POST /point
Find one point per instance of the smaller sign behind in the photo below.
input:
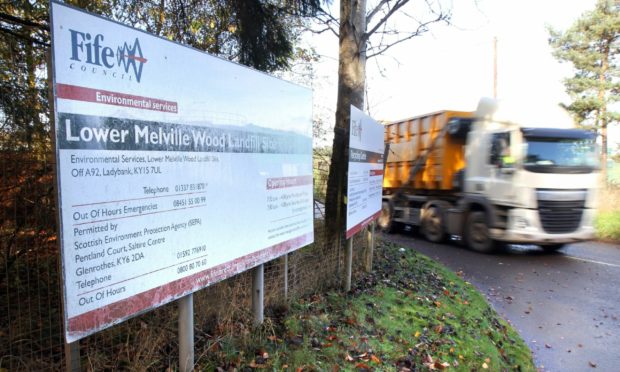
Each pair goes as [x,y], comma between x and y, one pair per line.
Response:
[365,178]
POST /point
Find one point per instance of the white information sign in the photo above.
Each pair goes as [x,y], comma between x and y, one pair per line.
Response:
[176,169]
[365,178]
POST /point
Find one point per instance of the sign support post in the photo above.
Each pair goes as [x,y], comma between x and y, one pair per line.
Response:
[371,247]
[72,350]
[286,277]
[72,356]
[349,263]
[258,294]
[186,333]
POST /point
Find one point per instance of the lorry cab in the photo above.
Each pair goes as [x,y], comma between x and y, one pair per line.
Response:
[538,177]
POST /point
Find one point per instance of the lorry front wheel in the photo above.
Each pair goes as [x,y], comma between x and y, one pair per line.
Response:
[386,218]
[432,225]
[477,233]
[553,247]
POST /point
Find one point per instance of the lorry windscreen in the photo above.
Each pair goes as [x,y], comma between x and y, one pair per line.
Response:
[559,151]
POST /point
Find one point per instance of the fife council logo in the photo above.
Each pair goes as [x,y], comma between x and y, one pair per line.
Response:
[89,54]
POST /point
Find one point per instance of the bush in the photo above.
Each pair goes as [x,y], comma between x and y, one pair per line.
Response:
[608,225]
[608,214]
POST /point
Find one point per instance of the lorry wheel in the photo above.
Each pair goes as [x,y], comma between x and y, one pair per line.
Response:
[553,247]
[477,233]
[386,218]
[432,225]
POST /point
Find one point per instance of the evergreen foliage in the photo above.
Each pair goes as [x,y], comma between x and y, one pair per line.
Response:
[592,46]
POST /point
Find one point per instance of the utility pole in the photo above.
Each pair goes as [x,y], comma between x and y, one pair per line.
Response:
[495,67]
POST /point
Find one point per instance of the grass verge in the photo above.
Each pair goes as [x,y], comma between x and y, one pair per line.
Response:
[608,225]
[608,214]
[409,314]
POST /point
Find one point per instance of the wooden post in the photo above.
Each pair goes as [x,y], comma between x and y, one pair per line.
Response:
[495,67]
[72,357]
[72,350]
[349,264]
[286,277]
[371,248]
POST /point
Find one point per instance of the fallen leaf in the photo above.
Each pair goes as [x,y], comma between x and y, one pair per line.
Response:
[417,334]
[548,346]
[485,366]
[592,364]
[348,358]
[428,362]
[440,365]
[362,366]
[375,359]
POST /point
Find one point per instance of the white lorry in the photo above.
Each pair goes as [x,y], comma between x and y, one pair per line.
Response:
[502,174]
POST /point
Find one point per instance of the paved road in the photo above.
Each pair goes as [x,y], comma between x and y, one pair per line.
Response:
[565,305]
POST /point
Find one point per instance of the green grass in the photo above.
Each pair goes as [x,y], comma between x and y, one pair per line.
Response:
[410,313]
[608,225]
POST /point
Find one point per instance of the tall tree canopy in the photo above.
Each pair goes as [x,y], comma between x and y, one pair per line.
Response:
[257,33]
[592,46]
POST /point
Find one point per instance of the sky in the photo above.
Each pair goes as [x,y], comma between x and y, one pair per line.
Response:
[451,66]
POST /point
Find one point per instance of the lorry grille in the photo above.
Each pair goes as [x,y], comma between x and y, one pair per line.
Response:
[560,217]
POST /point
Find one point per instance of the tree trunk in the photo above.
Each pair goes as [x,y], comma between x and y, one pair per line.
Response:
[351,84]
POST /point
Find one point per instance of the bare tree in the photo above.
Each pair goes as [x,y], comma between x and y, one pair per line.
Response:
[364,34]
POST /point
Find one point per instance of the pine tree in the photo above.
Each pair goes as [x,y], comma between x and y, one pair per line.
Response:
[592,45]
